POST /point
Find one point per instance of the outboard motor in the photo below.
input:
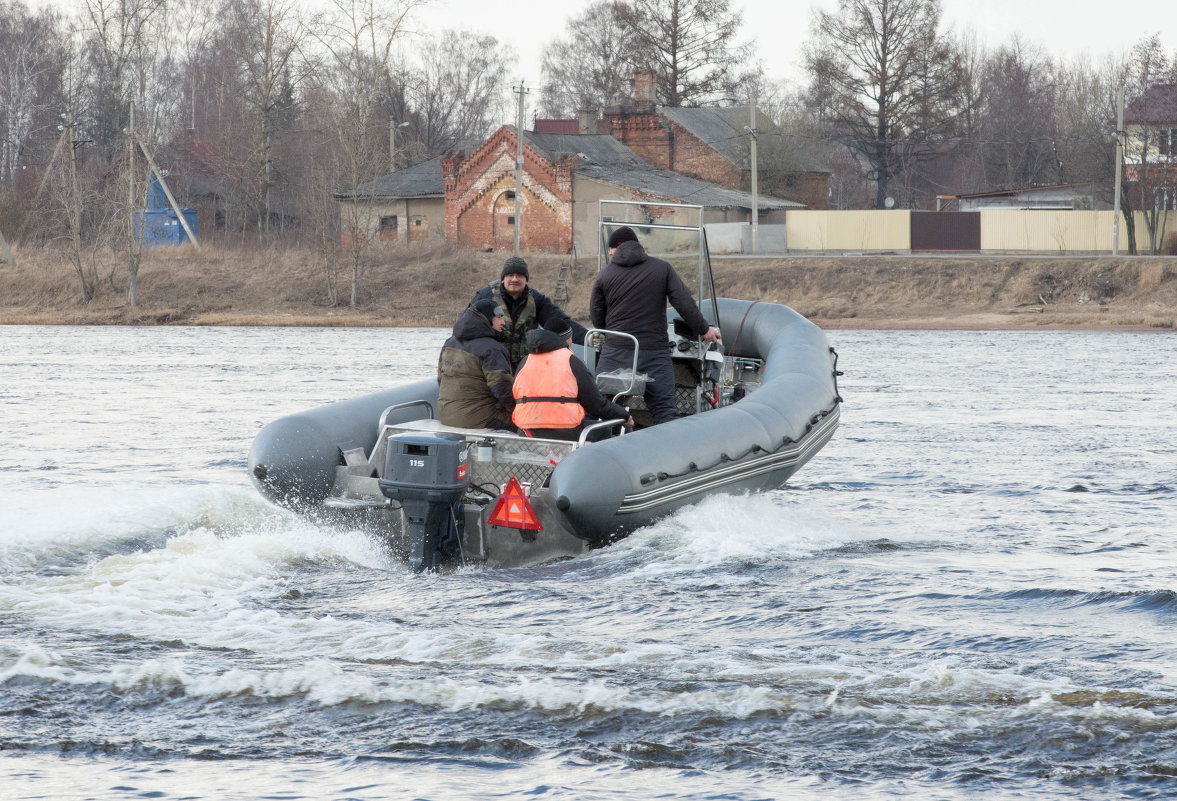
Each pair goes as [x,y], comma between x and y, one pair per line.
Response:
[428,475]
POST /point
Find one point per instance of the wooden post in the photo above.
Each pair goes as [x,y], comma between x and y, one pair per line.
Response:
[7,250]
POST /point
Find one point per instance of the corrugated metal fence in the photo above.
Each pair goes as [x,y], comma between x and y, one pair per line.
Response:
[1004,230]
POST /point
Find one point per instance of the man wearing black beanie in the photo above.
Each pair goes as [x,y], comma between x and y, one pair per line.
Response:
[515,266]
[622,234]
[630,295]
[526,308]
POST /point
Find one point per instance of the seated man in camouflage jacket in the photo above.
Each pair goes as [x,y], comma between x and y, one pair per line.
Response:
[474,371]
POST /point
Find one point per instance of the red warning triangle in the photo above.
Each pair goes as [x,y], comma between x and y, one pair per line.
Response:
[513,509]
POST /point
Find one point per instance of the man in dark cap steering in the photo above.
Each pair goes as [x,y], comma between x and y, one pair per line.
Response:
[630,295]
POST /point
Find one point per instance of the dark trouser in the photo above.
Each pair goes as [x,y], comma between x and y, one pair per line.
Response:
[654,362]
[500,425]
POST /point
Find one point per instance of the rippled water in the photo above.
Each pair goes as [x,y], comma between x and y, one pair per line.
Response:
[971,592]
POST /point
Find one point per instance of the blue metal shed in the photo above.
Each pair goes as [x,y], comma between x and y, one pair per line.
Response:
[160,225]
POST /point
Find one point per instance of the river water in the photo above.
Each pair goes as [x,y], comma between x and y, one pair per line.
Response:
[971,592]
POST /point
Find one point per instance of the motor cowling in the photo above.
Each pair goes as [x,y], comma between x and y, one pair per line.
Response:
[428,475]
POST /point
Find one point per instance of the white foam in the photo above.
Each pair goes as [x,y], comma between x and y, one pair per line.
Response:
[329,684]
[759,527]
[85,519]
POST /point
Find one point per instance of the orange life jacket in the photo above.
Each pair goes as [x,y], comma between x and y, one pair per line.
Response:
[545,392]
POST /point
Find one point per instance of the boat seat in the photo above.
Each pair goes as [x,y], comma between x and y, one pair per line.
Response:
[433,425]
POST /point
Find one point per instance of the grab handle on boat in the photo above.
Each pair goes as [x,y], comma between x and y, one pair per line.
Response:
[588,337]
[406,405]
[599,424]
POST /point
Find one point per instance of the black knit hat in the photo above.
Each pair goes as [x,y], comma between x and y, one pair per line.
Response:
[513,266]
[488,308]
[559,327]
[622,234]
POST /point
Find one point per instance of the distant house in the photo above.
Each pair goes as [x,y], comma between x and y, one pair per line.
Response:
[698,156]
[713,144]
[1089,196]
[404,206]
[564,177]
[1150,149]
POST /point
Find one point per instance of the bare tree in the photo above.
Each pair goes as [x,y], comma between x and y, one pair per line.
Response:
[358,39]
[263,37]
[590,66]
[216,132]
[789,142]
[119,52]
[880,96]
[690,44]
[966,170]
[65,194]
[457,92]
[127,71]
[1019,131]
[1086,117]
[30,81]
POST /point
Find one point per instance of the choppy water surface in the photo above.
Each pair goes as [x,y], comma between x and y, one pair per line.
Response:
[972,591]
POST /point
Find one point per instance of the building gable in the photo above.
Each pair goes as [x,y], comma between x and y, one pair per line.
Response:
[480,195]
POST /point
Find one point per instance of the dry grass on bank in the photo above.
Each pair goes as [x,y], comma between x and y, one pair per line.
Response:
[429,284]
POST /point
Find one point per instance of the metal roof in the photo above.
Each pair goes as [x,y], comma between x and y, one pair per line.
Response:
[673,186]
[720,128]
[592,148]
[1082,187]
[420,180]
[724,130]
[1157,105]
[604,158]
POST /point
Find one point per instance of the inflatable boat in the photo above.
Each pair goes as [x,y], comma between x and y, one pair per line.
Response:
[753,410]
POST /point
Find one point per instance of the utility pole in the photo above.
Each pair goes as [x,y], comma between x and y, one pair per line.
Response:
[521,91]
[755,198]
[1119,169]
[72,197]
[132,252]
[163,184]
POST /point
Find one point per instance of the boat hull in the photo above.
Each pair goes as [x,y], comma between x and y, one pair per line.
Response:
[594,494]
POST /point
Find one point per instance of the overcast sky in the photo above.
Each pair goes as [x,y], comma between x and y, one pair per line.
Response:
[1061,27]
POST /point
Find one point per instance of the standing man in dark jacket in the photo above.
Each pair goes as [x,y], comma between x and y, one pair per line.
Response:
[474,371]
[555,394]
[630,295]
[526,308]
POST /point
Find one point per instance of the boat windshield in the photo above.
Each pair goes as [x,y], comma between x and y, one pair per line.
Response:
[670,231]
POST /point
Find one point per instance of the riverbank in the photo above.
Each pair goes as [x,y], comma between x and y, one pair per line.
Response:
[429,285]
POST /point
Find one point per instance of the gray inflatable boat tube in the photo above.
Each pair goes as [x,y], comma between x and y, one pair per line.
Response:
[615,486]
[293,459]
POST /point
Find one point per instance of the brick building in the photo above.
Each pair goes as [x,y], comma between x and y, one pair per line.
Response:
[564,177]
[713,144]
